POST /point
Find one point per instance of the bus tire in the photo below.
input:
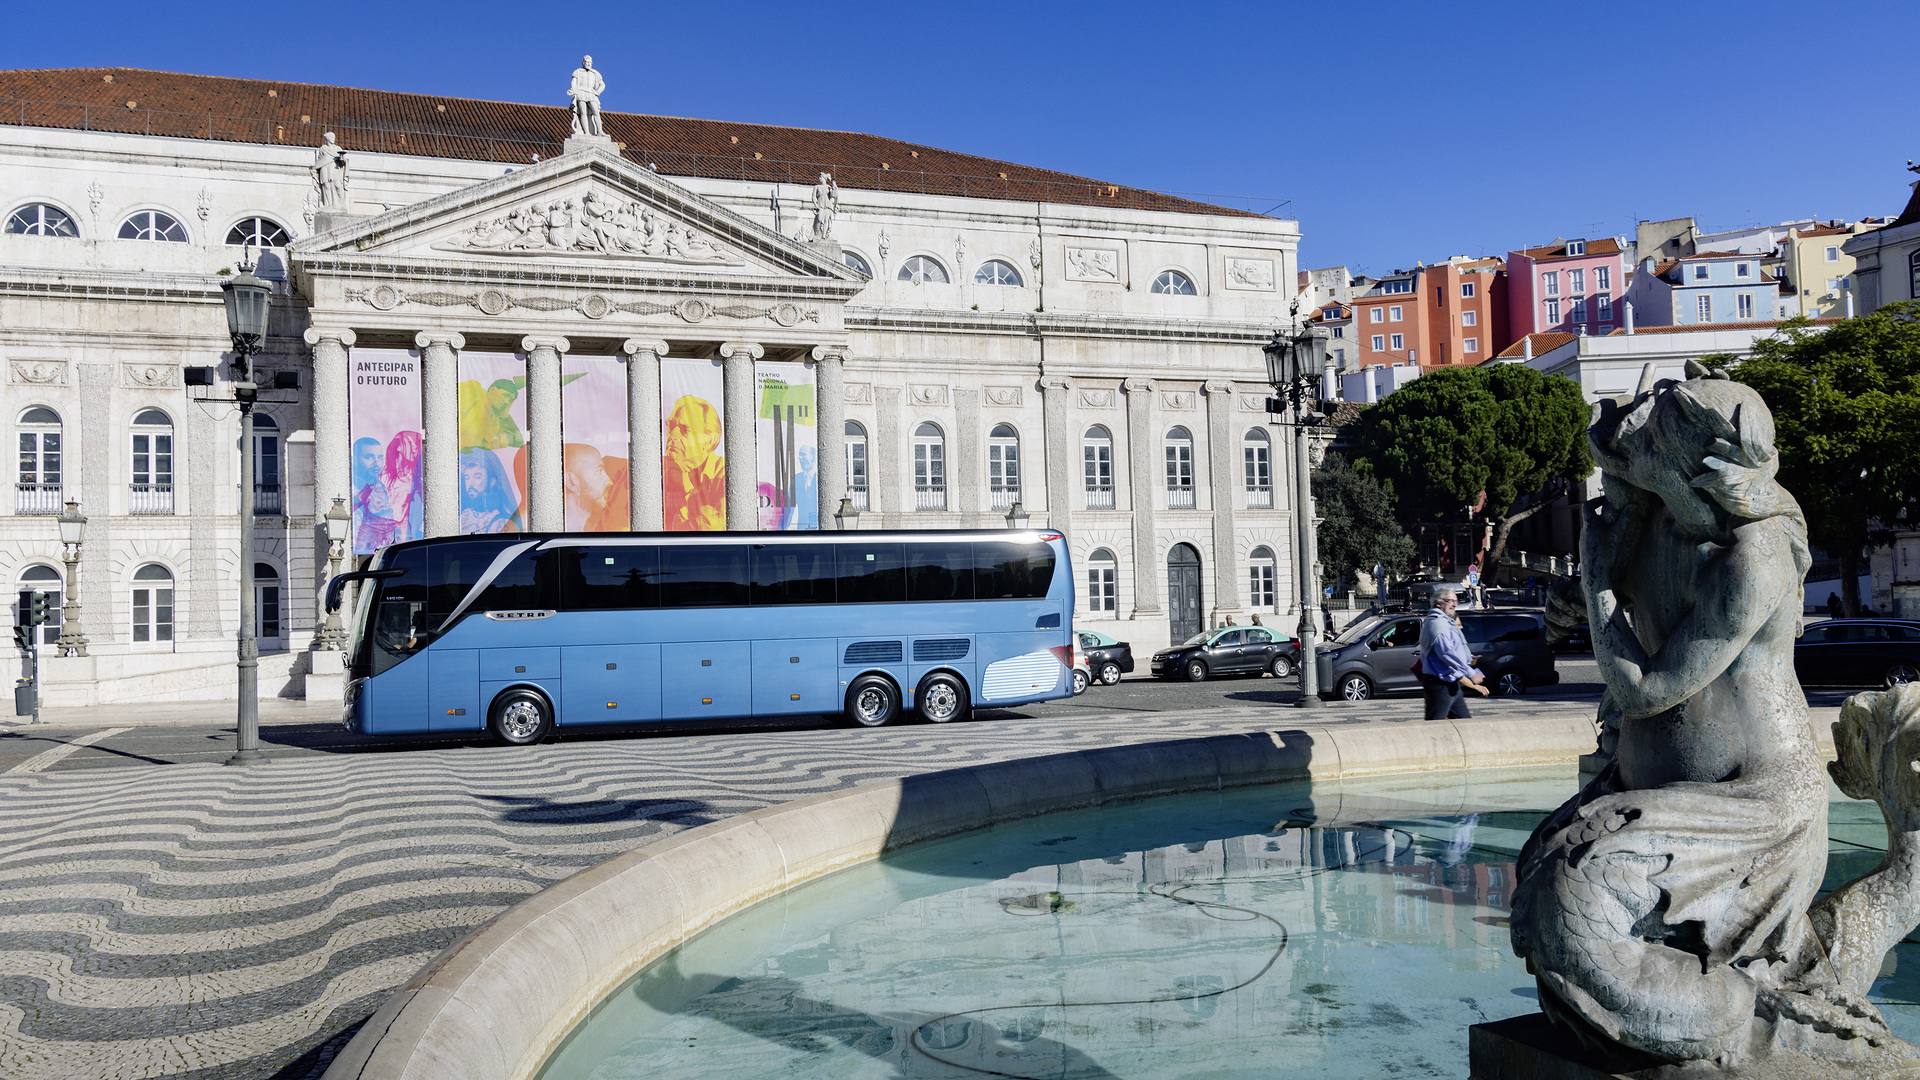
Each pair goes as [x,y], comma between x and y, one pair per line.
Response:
[872,701]
[521,717]
[942,697]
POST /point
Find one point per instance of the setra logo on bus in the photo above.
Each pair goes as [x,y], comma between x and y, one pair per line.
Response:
[517,616]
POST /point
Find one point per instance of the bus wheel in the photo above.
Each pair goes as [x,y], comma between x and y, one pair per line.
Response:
[872,701]
[521,718]
[941,698]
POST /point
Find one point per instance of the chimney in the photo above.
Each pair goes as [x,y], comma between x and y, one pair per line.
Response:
[1628,304]
[1849,303]
[1526,347]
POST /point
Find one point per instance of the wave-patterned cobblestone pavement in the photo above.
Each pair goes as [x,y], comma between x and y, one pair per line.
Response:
[201,921]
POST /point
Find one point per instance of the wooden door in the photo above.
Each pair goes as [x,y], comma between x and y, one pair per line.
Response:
[1183,592]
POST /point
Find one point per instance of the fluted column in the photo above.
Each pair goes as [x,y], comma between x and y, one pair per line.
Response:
[743,463]
[440,467]
[1142,443]
[546,497]
[332,446]
[1062,435]
[830,429]
[1223,453]
[643,434]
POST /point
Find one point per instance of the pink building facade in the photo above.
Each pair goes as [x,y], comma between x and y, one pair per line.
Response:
[1571,287]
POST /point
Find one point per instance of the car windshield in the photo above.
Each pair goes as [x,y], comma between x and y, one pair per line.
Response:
[1356,631]
[1200,638]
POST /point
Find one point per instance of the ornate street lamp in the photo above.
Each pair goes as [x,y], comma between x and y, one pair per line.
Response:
[339,526]
[248,299]
[846,519]
[1295,358]
[73,530]
[1016,516]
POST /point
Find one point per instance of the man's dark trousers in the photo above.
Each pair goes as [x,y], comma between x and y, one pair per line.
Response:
[1445,700]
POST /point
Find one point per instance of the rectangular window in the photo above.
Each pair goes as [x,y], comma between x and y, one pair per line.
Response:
[793,574]
[592,578]
[1744,305]
[1260,589]
[1576,281]
[1469,318]
[1377,314]
[1703,308]
[710,575]
[1339,331]
[152,615]
[1395,313]
[1605,304]
[1472,345]
[1553,313]
[1102,595]
[857,472]
[1603,277]
[1833,254]
[872,573]
[1259,466]
[1379,343]
[940,572]
[1466,290]
[1741,270]
[1011,571]
[1700,271]
[1399,341]
[1579,310]
[1180,467]
[1097,460]
[1833,284]
[1552,280]
[1340,358]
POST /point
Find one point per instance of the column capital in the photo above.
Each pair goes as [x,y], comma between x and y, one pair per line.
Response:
[317,334]
[556,343]
[453,338]
[1218,386]
[824,353]
[634,346]
[748,349]
[1055,382]
[1139,386]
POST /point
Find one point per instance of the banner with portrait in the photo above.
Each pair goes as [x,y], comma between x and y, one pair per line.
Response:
[594,459]
[384,419]
[785,443]
[693,452]
[493,442]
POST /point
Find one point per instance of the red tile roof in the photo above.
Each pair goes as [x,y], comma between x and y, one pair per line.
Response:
[1823,230]
[1603,246]
[139,102]
[1543,342]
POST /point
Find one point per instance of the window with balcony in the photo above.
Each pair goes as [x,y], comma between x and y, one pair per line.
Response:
[266,466]
[1552,282]
[150,482]
[1256,453]
[1103,574]
[1096,458]
[1180,469]
[929,468]
[37,491]
[856,445]
[1262,575]
[1003,466]
[269,623]
[152,605]
[40,580]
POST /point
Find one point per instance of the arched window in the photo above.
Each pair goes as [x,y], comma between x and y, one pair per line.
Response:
[1096,459]
[995,272]
[929,468]
[1179,469]
[39,219]
[1003,465]
[1256,451]
[150,484]
[43,581]
[1103,573]
[921,269]
[38,489]
[267,621]
[257,232]
[153,225]
[1913,265]
[1173,283]
[856,262]
[266,465]
[1260,580]
[152,605]
[857,464]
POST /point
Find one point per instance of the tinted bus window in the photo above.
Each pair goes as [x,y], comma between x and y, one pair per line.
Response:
[872,573]
[610,578]
[713,575]
[400,622]
[1012,571]
[793,574]
[939,571]
[453,569]
[528,583]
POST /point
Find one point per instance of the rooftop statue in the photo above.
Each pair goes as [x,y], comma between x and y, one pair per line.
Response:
[1667,911]
[585,92]
[330,173]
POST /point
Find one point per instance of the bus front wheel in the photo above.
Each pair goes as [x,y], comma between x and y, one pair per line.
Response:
[872,701]
[521,718]
[941,698]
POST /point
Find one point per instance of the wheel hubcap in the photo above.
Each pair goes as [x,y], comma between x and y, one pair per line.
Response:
[1901,675]
[871,705]
[1511,684]
[939,702]
[520,720]
[1355,690]
[1110,674]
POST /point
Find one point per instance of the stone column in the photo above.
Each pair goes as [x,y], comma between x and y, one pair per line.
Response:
[643,434]
[964,470]
[332,447]
[830,429]
[546,497]
[886,453]
[1223,452]
[1062,439]
[1143,444]
[440,385]
[743,463]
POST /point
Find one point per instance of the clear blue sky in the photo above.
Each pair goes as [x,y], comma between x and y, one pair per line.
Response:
[1400,131]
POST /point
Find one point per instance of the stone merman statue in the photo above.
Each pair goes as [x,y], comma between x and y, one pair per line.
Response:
[330,174]
[585,92]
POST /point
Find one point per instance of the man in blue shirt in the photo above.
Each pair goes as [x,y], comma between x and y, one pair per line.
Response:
[1446,667]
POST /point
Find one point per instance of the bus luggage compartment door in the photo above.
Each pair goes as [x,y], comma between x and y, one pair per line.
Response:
[454,696]
[703,679]
[795,677]
[609,684]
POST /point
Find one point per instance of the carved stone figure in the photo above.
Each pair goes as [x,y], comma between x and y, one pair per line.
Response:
[1667,911]
[330,174]
[585,92]
[826,203]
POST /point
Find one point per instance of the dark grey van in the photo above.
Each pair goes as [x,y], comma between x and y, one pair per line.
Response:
[1375,656]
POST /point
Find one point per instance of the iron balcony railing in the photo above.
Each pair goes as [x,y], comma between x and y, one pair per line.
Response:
[36,498]
[266,499]
[1100,498]
[149,498]
[930,497]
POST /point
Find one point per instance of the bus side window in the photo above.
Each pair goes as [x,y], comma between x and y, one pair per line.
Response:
[711,575]
[453,569]
[606,578]
[939,571]
[872,573]
[529,583]
[400,623]
[1012,571]
[793,574]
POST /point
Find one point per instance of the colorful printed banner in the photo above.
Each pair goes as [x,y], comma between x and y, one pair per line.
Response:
[493,442]
[593,420]
[785,443]
[383,411]
[693,462]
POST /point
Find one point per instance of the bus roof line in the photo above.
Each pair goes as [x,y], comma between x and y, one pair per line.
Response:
[626,539]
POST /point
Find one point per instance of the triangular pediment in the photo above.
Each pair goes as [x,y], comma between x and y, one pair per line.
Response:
[590,210]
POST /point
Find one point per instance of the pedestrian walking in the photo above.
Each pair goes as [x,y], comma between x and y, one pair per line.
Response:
[1446,667]
[1834,607]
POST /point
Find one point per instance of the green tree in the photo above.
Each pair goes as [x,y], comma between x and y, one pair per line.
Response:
[1357,529]
[1464,442]
[1846,410]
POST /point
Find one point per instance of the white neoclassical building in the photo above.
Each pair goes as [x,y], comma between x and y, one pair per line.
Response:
[474,295]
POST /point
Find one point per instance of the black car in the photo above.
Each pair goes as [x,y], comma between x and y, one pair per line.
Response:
[1247,650]
[1106,658]
[1858,652]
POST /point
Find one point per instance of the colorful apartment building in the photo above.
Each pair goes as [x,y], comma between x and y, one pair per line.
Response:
[1711,287]
[1453,312]
[1567,287]
[1817,267]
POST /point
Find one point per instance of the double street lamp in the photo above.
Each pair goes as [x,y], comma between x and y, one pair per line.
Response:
[248,299]
[1296,358]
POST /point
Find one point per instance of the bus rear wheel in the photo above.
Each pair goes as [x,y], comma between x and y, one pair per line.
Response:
[872,701]
[941,698]
[521,718]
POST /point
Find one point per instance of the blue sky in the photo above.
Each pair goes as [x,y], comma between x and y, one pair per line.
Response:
[1400,131]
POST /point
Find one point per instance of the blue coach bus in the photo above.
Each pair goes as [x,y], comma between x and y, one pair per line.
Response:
[522,634]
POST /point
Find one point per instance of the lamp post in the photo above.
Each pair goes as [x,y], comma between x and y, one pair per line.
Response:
[1016,516]
[339,525]
[846,519]
[1295,358]
[247,299]
[73,530]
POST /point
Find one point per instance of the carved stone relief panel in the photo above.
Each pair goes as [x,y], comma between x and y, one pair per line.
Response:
[1177,399]
[40,372]
[1003,395]
[859,393]
[927,393]
[1254,275]
[1097,399]
[149,375]
[592,222]
[690,309]
[1093,264]
[1253,403]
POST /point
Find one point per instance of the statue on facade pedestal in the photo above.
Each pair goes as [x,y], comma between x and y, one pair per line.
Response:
[826,203]
[585,92]
[330,174]
[1667,911]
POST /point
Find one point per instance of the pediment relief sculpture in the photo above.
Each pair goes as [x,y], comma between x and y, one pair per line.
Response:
[594,223]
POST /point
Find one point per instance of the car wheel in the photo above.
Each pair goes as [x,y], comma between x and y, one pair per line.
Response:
[1901,674]
[521,718]
[1281,667]
[1080,682]
[1196,671]
[1356,688]
[1110,673]
[872,701]
[940,698]
[1510,684]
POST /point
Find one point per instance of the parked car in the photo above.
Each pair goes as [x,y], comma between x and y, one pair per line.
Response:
[1107,659]
[1249,650]
[1858,652]
[1375,656]
[1082,674]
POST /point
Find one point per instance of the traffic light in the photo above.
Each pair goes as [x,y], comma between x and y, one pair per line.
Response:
[23,638]
[37,610]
